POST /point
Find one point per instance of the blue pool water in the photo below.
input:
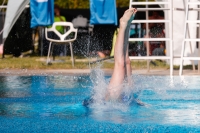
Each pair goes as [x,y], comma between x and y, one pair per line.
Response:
[53,103]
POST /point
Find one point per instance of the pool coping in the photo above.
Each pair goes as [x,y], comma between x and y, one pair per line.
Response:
[26,72]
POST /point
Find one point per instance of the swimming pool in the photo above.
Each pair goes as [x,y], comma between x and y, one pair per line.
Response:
[53,103]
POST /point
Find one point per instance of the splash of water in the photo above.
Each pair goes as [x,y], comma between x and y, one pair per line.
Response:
[142,85]
[97,77]
[100,84]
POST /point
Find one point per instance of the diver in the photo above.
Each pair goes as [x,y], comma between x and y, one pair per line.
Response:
[122,68]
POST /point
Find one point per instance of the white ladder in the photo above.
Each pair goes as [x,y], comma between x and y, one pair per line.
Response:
[168,5]
[186,29]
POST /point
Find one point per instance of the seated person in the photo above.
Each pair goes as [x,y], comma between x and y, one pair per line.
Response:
[58,50]
[156,31]
[58,18]
[160,51]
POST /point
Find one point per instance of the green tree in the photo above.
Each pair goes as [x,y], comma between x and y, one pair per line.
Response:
[73,4]
[122,3]
[5,2]
[145,0]
[85,4]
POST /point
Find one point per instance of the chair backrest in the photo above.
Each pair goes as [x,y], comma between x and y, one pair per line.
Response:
[62,37]
[80,21]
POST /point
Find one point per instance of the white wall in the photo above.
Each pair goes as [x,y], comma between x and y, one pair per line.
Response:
[178,32]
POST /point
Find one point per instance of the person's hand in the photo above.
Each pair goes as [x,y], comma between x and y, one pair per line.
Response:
[128,17]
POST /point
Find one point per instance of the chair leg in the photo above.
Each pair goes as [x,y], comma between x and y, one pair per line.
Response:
[52,53]
[72,55]
[48,59]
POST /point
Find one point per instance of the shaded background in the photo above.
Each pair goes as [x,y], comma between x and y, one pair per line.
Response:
[20,37]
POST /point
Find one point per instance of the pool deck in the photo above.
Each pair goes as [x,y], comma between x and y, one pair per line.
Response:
[25,72]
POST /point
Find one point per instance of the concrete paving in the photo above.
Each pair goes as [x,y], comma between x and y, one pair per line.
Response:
[24,72]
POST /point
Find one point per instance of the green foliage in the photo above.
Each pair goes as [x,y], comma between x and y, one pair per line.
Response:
[122,3]
[1,2]
[36,63]
[85,4]
[73,4]
[145,0]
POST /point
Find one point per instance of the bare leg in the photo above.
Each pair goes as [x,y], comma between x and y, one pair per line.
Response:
[114,88]
[128,67]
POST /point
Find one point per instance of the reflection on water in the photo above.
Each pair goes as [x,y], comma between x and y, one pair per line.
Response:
[44,96]
[64,81]
[25,86]
[168,101]
[40,110]
[14,86]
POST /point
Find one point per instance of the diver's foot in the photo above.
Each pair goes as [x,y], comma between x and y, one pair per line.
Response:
[127,16]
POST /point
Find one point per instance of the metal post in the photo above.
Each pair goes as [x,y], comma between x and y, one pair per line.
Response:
[147,34]
[185,33]
[193,66]
[199,41]
[41,36]
[171,36]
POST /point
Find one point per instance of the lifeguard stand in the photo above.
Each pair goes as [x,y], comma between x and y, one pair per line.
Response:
[167,7]
[187,38]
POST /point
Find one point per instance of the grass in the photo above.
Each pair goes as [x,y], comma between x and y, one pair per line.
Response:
[36,62]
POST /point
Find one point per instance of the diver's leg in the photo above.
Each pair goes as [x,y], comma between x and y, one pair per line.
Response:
[128,67]
[114,89]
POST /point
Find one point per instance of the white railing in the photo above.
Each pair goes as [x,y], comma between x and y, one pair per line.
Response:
[167,4]
[186,30]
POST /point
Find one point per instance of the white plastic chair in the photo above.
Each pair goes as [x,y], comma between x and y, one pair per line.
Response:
[63,38]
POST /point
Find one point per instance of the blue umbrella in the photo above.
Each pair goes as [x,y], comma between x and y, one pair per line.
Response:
[42,12]
[103,12]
